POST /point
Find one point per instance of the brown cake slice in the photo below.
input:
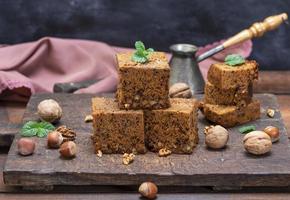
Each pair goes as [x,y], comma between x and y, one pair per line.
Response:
[174,128]
[225,76]
[143,85]
[229,116]
[240,96]
[115,130]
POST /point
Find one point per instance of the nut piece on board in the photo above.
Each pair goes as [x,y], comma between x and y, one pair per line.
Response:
[25,146]
[88,118]
[128,158]
[257,142]
[180,90]
[148,190]
[164,152]
[49,110]
[100,153]
[270,112]
[67,133]
[216,137]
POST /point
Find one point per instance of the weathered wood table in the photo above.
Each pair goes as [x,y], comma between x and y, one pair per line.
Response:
[226,168]
[10,114]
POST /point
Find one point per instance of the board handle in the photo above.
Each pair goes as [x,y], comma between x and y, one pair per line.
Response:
[257,29]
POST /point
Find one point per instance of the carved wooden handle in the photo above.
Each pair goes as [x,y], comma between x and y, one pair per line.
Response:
[257,29]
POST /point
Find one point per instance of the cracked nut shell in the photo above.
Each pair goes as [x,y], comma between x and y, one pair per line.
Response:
[257,142]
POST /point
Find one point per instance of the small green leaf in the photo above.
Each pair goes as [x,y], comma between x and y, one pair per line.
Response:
[33,128]
[150,50]
[234,59]
[139,45]
[138,58]
[141,54]
[247,129]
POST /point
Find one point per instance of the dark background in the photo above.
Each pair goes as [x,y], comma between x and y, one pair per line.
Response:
[158,23]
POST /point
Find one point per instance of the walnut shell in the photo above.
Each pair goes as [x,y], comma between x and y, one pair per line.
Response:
[49,110]
[257,142]
[216,137]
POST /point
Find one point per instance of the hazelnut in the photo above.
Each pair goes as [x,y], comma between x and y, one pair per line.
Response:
[273,132]
[257,142]
[148,190]
[216,137]
[49,110]
[26,146]
[68,149]
[180,90]
[54,139]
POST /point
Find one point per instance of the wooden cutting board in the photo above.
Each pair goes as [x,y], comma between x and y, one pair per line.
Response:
[231,166]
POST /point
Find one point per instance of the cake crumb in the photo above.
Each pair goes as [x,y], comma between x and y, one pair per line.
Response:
[128,158]
[164,152]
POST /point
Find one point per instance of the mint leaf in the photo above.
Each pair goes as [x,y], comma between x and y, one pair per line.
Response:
[247,129]
[33,128]
[138,58]
[150,50]
[234,59]
[139,45]
[141,54]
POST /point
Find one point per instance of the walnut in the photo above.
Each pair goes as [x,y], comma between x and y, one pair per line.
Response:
[180,90]
[164,152]
[128,158]
[67,133]
[49,110]
[216,137]
[257,142]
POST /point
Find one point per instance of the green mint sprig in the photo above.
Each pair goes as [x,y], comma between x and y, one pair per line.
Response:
[234,60]
[247,129]
[33,128]
[141,54]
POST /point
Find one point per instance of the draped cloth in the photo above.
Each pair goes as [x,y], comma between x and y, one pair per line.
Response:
[34,67]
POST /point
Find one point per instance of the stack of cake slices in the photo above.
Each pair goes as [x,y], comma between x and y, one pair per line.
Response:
[142,117]
[228,94]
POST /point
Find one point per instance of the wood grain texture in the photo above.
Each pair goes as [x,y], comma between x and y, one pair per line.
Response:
[135,196]
[276,82]
[228,167]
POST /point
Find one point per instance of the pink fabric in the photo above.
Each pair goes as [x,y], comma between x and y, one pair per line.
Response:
[35,67]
